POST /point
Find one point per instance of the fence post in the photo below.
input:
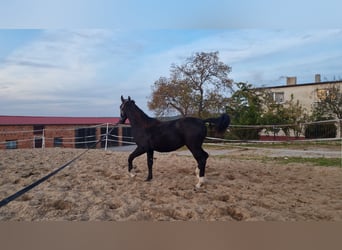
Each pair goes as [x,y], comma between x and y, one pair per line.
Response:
[339,128]
[106,143]
[43,138]
[120,136]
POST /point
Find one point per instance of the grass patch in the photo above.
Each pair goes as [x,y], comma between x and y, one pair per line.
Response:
[323,162]
[295,145]
[309,145]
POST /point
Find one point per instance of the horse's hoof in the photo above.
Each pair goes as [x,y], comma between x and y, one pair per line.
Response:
[148,179]
[132,175]
[201,181]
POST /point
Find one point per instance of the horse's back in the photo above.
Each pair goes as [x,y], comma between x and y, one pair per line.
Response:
[191,128]
[171,135]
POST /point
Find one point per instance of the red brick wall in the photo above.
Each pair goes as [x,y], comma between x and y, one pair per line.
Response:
[23,135]
[64,131]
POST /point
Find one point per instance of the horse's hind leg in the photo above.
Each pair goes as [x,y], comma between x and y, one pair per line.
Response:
[201,157]
[202,161]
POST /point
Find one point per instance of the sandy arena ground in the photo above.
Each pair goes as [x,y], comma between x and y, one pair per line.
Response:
[97,187]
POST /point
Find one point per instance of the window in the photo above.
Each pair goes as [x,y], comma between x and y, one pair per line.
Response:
[38,142]
[85,137]
[58,142]
[11,144]
[278,97]
[322,94]
[38,129]
[113,139]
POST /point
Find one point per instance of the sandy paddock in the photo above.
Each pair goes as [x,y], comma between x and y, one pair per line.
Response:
[97,187]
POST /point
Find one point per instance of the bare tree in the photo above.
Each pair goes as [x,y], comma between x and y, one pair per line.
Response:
[197,87]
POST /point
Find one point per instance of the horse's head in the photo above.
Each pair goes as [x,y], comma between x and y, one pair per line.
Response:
[123,108]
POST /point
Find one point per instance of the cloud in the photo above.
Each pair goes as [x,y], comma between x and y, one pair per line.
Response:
[75,72]
[58,61]
[84,72]
[259,57]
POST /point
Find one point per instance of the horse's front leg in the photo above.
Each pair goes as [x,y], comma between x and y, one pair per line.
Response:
[138,151]
[149,164]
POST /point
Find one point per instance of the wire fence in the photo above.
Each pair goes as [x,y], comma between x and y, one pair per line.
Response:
[86,136]
[319,130]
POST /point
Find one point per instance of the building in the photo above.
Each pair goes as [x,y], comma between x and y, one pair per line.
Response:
[308,94]
[69,132]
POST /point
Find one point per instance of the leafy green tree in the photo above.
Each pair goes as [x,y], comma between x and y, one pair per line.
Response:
[245,108]
[328,108]
[250,106]
[330,105]
[286,116]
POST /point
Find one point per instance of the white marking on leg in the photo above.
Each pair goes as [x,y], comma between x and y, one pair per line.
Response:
[197,172]
[132,174]
[201,180]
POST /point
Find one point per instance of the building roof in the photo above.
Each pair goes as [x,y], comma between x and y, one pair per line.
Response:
[300,85]
[55,120]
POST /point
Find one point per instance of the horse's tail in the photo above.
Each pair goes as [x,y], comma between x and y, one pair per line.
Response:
[221,123]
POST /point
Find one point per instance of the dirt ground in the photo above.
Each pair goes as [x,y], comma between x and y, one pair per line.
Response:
[97,187]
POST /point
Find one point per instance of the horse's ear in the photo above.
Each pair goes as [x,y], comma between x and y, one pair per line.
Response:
[129,98]
[122,99]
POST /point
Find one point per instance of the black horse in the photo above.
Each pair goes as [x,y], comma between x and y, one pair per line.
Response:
[153,135]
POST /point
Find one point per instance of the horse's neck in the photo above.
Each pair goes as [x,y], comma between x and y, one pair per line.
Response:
[138,118]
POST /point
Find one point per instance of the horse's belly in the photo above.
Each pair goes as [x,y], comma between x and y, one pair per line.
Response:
[167,145]
[167,148]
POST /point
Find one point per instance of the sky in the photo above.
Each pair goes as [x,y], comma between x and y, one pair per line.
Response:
[77,59]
